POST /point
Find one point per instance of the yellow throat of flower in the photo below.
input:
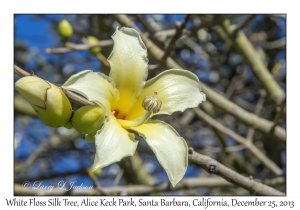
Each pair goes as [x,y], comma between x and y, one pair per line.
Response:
[151,104]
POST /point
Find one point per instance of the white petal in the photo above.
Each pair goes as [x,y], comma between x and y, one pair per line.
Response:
[129,67]
[112,143]
[177,90]
[170,149]
[95,86]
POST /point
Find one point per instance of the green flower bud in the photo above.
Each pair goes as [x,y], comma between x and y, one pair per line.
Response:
[48,101]
[93,40]
[65,29]
[88,119]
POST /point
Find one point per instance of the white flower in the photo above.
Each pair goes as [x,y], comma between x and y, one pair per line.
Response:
[121,95]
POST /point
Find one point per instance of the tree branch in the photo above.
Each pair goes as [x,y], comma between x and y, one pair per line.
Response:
[243,25]
[96,183]
[241,140]
[279,112]
[179,29]
[214,167]
[33,157]
[72,46]
[257,111]
[245,48]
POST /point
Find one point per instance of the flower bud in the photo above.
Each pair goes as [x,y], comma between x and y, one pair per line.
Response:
[48,101]
[65,29]
[88,119]
[93,40]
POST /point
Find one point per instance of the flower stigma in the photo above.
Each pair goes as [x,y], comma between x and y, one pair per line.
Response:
[151,104]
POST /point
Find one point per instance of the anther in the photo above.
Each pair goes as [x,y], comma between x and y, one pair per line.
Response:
[152,104]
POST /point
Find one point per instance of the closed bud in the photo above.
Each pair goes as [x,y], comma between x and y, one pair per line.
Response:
[65,29]
[88,119]
[48,101]
[93,40]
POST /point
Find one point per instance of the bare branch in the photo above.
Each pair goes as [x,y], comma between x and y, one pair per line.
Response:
[243,45]
[214,167]
[72,46]
[96,182]
[33,157]
[21,72]
[241,140]
[279,112]
[280,43]
[243,25]
[179,29]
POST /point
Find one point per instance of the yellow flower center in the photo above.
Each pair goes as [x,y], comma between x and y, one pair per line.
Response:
[150,103]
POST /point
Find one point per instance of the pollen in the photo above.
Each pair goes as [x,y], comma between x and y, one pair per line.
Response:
[152,104]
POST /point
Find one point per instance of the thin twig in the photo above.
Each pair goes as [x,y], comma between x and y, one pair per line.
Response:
[60,50]
[280,43]
[195,47]
[214,167]
[241,140]
[257,111]
[243,25]
[103,59]
[235,83]
[20,71]
[96,182]
[145,23]
[279,111]
[119,176]
[179,28]
[72,46]
[34,156]
[164,34]
[187,117]
[207,24]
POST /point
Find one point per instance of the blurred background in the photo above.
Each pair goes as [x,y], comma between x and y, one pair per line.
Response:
[204,47]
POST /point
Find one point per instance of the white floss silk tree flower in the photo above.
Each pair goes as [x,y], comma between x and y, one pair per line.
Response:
[129,101]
